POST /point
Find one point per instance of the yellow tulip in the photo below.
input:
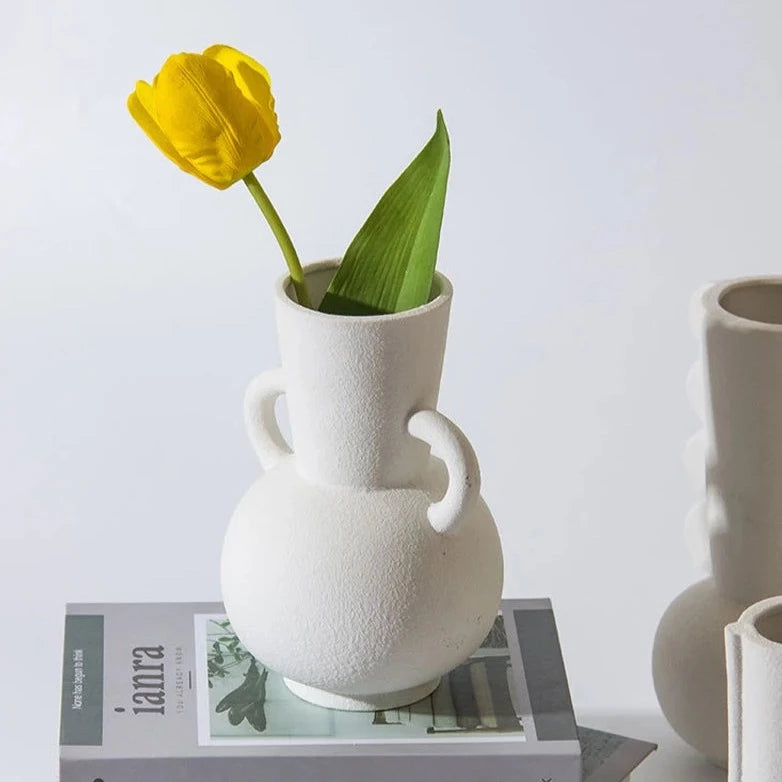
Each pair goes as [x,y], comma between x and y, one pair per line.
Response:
[212,114]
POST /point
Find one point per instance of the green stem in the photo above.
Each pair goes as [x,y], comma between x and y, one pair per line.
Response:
[282,237]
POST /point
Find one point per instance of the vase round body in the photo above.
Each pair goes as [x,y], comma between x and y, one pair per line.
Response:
[363,564]
[742,338]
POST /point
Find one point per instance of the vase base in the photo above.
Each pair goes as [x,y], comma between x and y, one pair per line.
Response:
[377,702]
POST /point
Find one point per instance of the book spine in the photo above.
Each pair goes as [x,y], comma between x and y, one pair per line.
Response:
[381,768]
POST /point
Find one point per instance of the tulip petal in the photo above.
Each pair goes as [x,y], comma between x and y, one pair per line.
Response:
[205,116]
[252,79]
[141,105]
[230,58]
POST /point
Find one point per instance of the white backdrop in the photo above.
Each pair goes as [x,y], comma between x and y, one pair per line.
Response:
[608,157]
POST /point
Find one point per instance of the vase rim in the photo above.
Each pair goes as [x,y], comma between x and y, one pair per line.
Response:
[714,301]
[284,284]
[754,615]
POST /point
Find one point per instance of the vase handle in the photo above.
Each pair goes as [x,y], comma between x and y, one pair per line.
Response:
[449,443]
[260,419]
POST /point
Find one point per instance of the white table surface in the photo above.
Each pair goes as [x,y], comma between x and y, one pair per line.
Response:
[674,761]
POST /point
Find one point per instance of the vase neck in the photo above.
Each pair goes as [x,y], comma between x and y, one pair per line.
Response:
[351,385]
[744,463]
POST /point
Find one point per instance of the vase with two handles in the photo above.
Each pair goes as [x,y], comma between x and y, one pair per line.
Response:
[363,564]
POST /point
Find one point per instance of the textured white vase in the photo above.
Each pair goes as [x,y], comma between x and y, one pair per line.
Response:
[753,647]
[742,511]
[358,566]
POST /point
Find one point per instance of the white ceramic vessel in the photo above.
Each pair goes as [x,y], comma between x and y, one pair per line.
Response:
[753,647]
[742,510]
[358,566]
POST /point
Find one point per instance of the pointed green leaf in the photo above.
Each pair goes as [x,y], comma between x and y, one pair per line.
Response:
[389,266]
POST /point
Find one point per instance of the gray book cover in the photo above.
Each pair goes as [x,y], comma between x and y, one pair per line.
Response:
[166,691]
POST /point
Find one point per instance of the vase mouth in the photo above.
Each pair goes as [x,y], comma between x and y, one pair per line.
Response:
[763,620]
[751,302]
[323,271]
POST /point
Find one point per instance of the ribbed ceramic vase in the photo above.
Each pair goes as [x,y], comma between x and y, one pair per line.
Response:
[358,565]
[754,655]
[742,511]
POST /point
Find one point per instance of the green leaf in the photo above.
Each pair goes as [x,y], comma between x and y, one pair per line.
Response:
[389,266]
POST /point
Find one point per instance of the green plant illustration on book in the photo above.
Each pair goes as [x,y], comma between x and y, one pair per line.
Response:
[248,700]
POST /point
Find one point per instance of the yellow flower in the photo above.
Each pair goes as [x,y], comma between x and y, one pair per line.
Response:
[212,114]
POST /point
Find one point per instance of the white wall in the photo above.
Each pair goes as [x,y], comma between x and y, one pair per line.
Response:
[608,157]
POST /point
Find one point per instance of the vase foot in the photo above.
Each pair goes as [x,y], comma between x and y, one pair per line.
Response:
[378,702]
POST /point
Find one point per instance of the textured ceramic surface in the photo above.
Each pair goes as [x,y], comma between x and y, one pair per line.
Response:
[736,526]
[688,665]
[754,666]
[358,566]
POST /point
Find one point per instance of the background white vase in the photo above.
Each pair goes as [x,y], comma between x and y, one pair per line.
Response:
[356,566]
[742,330]
[753,647]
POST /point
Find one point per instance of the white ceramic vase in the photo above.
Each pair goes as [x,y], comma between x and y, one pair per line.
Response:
[358,566]
[742,511]
[753,647]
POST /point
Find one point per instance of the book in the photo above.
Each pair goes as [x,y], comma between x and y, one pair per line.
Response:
[167,692]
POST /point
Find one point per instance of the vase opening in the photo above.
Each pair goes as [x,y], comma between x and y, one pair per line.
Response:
[769,625]
[319,277]
[760,301]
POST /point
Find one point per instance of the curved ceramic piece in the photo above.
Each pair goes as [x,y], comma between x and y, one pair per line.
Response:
[697,310]
[448,443]
[753,648]
[375,702]
[352,382]
[742,327]
[694,454]
[260,419]
[743,339]
[359,566]
[354,593]
[688,666]
[694,460]
[696,535]
[696,389]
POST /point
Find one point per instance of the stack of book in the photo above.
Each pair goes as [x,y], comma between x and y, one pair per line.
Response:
[165,692]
